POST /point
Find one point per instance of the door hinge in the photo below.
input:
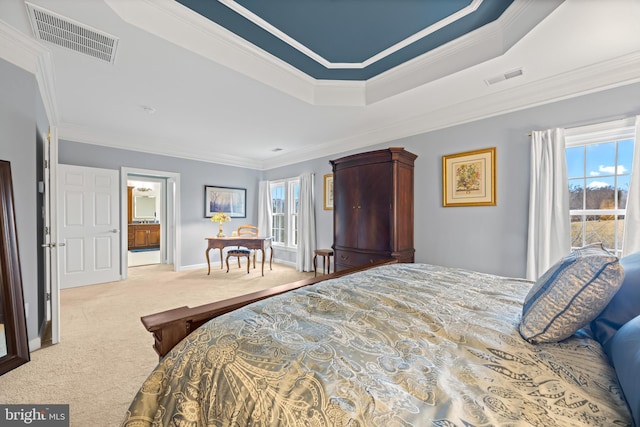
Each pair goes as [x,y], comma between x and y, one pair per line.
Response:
[48,296]
[46,231]
[46,164]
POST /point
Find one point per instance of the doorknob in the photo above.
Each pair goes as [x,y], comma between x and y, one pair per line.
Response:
[52,245]
[115,230]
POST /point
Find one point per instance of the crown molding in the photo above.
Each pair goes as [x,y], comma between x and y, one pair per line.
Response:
[617,72]
[173,22]
[19,49]
[483,44]
[76,133]
[26,53]
[606,75]
[311,54]
[45,77]
[179,25]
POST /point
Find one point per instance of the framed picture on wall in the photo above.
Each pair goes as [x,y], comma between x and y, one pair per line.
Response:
[229,200]
[328,191]
[469,178]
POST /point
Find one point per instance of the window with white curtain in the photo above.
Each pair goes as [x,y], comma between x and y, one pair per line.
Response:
[599,159]
[285,195]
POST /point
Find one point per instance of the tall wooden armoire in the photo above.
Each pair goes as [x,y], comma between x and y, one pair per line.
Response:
[373,207]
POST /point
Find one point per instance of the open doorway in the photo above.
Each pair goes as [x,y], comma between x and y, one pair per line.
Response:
[146,207]
[151,218]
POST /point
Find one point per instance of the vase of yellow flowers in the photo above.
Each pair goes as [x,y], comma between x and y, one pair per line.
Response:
[220,217]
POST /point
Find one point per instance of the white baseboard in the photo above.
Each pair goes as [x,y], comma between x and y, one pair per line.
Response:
[35,344]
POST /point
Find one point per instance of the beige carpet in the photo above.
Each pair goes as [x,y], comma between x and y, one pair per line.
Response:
[105,353]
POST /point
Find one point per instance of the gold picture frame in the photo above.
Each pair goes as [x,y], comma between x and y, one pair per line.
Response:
[469,178]
[328,192]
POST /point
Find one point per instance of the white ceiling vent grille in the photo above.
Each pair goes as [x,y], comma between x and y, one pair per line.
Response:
[65,32]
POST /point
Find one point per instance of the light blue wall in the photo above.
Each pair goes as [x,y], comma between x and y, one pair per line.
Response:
[194,175]
[19,107]
[489,239]
[493,238]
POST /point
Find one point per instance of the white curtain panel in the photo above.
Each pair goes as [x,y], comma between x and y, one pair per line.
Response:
[549,227]
[264,209]
[631,239]
[306,224]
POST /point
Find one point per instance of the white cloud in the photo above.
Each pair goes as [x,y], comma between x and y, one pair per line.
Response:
[609,170]
[597,184]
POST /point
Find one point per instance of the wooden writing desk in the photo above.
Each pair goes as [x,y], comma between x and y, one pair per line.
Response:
[256,243]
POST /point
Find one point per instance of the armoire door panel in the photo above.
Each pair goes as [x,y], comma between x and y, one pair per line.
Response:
[345,198]
[375,207]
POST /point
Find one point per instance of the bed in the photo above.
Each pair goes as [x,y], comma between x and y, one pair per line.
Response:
[393,345]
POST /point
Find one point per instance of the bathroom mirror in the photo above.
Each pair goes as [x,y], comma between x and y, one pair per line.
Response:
[145,207]
[14,345]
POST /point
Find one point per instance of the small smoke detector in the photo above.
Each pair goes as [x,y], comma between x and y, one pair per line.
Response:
[505,76]
[62,31]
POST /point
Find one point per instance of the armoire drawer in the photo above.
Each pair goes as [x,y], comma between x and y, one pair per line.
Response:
[347,259]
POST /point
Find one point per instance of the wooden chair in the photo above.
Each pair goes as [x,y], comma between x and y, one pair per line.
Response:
[239,252]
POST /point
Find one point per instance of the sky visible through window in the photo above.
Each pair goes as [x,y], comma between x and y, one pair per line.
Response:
[600,166]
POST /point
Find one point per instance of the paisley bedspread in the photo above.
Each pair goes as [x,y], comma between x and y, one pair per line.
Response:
[398,345]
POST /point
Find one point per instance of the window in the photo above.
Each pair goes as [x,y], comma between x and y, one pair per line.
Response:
[285,196]
[599,162]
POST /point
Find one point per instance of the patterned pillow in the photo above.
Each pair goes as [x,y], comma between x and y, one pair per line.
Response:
[570,294]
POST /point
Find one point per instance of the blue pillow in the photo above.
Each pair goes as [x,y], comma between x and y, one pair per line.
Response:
[625,355]
[624,306]
[570,294]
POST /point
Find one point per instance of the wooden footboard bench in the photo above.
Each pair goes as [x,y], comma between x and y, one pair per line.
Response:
[170,327]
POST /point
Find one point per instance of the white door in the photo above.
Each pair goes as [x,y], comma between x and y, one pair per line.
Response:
[52,305]
[88,225]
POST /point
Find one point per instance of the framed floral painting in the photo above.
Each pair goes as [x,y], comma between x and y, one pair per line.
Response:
[469,178]
[328,191]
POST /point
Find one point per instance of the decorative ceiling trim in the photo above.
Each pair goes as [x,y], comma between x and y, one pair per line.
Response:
[18,48]
[606,75]
[22,51]
[594,78]
[483,44]
[74,132]
[180,25]
[300,47]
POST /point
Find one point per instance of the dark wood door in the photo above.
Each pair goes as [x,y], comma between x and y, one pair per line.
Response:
[374,207]
[345,200]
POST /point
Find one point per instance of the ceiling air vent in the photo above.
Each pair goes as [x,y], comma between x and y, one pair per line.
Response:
[502,77]
[65,32]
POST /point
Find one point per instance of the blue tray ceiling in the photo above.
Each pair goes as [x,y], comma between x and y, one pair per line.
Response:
[348,34]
